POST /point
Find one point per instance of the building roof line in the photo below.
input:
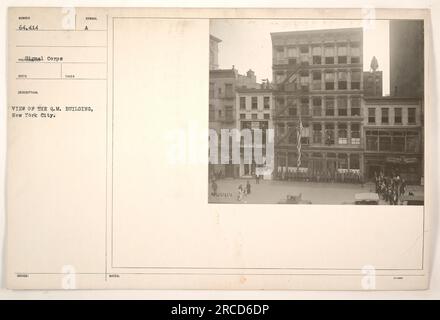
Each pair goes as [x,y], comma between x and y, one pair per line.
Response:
[300,32]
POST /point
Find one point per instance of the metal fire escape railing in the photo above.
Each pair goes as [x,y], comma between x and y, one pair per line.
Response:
[282,86]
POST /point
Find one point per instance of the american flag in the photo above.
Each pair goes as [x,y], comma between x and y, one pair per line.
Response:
[298,145]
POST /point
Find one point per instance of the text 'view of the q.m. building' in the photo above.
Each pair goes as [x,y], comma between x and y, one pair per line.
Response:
[324,120]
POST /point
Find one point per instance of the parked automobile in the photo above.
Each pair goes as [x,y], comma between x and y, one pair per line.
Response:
[365,198]
[412,200]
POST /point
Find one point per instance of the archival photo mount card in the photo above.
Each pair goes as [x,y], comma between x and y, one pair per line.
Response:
[218,149]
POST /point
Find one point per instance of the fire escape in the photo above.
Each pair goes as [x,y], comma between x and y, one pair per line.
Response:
[291,85]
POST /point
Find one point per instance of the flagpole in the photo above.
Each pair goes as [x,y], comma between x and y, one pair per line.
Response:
[298,144]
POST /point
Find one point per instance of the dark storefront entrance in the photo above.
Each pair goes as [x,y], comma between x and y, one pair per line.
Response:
[407,167]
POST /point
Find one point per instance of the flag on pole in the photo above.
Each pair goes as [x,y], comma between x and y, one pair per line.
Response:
[298,144]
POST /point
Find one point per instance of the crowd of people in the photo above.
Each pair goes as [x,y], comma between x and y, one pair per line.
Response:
[323,176]
[390,188]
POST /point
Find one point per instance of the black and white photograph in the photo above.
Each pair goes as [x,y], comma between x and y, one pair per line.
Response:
[316,112]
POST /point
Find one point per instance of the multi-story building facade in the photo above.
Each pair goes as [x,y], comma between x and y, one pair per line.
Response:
[222,110]
[393,128]
[254,111]
[318,82]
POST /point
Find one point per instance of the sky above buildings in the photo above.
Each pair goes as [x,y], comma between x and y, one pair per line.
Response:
[246,44]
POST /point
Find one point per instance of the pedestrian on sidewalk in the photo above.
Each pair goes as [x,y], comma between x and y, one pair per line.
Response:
[248,187]
[214,187]
[240,193]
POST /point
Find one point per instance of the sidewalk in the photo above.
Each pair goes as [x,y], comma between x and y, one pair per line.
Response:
[272,191]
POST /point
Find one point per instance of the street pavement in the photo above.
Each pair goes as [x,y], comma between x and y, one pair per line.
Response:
[272,191]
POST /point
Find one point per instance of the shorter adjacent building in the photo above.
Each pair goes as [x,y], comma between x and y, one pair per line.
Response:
[223,84]
[254,111]
[393,130]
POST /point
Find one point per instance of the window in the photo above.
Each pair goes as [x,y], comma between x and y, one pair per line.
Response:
[342,133]
[412,141]
[254,116]
[316,80]
[211,90]
[292,61]
[242,116]
[304,49]
[385,112]
[342,54]
[291,101]
[281,129]
[355,133]
[219,113]
[266,102]
[228,90]
[398,142]
[211,113]
[329,134]
[242,103]
[329,81]
[305,139]
[280,102]
[246,125]
[317,133]
[279,76]
[219,91]
[254,103]
[292,133]
[342,80]
[355,52]
[304,80]
[355,80]
[411,115]
[292,159]
[355,162]
[371,115]
[372,141]
[316,59]
[329,107]
[229,114]
[342,161]
[267,116]
[304,59]
[304,106]
[292,111]
[316,75]
[292,52]
[304,54]
[342,106]
[279,54]
[316,53]
[398,115]
[355,106]
[329,52]
[317,106]
[384,141]
[317,155]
